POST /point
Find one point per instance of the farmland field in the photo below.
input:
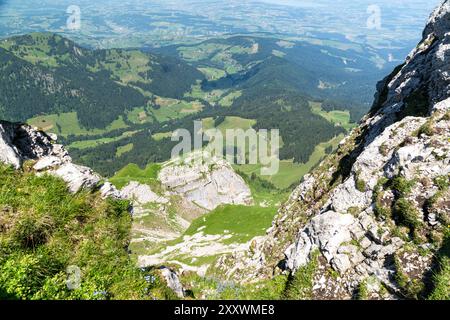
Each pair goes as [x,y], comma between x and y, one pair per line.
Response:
[66,124]
[337,117]
[291,173]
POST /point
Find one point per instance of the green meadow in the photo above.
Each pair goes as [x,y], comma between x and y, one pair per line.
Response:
[132,172]
[124,149]
[170,109]
[86,144]
[291,173]
[212,73]
[337,117]
[241,222]
[65,124]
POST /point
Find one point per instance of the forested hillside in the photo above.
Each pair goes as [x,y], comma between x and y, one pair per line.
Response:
[324,72]
[114,107]
[46,74]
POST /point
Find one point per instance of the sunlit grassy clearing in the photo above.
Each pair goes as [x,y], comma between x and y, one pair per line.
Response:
[212,73]
[132,172]
[86,144]
[66,124]
[290,172]
[228,100]
[124,149]
[337,117]
[170,109]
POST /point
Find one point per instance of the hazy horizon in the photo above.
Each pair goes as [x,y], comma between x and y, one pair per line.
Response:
[116,23]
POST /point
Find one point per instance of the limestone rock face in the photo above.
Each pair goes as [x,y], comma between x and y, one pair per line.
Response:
[185,190]
[108,190]
[327,232]
[77,177]
[47,162]
[172,281]
[9,153]
[21,142]
[141,194]
[382,197]
[206,185]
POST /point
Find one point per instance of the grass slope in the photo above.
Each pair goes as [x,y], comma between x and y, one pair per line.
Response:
[242,222]
[291,173]
[46,232]
[337,117]
[132,172]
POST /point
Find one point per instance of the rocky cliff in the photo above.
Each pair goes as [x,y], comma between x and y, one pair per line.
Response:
[373,218]
[20,143]
[191,188]
[208,184]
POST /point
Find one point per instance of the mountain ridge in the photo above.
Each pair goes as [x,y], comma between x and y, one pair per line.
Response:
[377,208]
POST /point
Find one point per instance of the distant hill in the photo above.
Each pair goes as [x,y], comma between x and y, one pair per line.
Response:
[46,73]
[323,72]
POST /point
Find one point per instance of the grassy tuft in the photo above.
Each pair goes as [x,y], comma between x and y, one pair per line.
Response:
[362,291]
[299,286]
[427,129]
[402,185]
[441,277]
[406,214]
[410,288]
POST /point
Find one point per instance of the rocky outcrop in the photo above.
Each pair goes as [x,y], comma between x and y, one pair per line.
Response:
[141,194]
[77,177]
[8,152]
[184,191]
[172,280]
[21,142]
[207,184]
[108,190]
[382,198]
